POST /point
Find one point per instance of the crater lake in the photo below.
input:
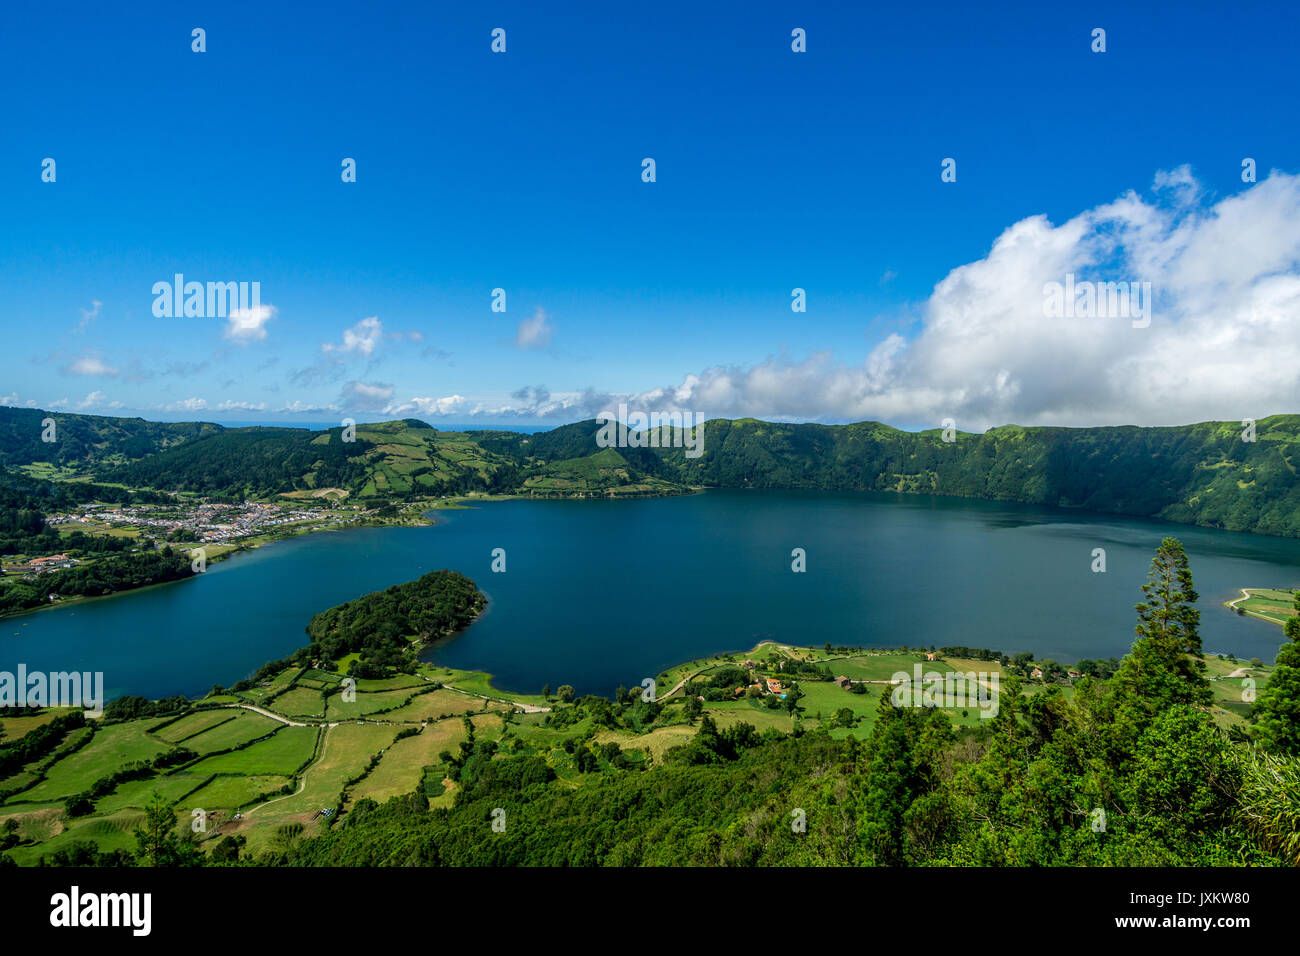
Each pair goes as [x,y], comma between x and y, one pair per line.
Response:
[598,593]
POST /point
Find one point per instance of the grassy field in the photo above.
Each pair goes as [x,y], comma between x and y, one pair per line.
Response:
[389,683]
[403,764]
[883,666]
[339,709]
[137,793]
[1235,686]
[231,793]
[192,724]
[111,748]
[293,774]
[658,742]
[282,680]
[11,728]
[726,713]
[345,752]
[441,703]
[476,682]
[826,699]
[246,726]
[1270,604]
[283,754]
[300,702]
[112,832]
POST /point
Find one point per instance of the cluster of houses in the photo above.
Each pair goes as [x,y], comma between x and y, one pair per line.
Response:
[1037,674]
[764,685]
[206,521]
[36,566]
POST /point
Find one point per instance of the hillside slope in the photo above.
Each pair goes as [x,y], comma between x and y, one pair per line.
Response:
[1195,474]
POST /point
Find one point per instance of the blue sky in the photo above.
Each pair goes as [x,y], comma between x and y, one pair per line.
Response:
[522,170]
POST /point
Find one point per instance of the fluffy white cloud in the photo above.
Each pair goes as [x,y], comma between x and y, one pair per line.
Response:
[1223,340]
[248,325]
[361,338]
[192,404]
[430,407]
[89,363]
[534,333]
[366,396]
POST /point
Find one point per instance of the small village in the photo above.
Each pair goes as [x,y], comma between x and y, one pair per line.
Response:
[202,522]
[205,521]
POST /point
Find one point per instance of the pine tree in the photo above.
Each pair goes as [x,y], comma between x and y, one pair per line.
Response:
[157,840]
[1165,667]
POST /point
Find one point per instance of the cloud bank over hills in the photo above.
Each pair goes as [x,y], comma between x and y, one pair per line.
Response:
[1219,340]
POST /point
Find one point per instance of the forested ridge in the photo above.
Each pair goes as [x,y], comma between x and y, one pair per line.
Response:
[80,440]
[1194,474]
[251,463]
[1205,474]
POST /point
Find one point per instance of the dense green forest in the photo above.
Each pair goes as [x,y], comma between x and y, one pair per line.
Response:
[251,463]
[1202,474]
[119,572]
[380,626]
[81,441]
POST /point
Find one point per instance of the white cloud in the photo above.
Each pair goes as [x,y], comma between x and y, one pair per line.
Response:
[230,406]
[431,407]
[366,396]
[1223,343]
[248,325]
[192,404]
[89,363]
[534,333]
[88,315]
[361,338]
[95,399]
[531,403]
[297,407]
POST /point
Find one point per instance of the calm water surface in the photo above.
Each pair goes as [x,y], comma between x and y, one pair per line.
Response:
[602,593]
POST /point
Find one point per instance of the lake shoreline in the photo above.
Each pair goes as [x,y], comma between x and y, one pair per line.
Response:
[1249,594]
[862,548]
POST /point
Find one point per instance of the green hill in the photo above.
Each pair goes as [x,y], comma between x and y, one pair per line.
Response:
[1195,474]
[86,441]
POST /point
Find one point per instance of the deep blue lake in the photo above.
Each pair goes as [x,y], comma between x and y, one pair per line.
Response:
[600,593]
